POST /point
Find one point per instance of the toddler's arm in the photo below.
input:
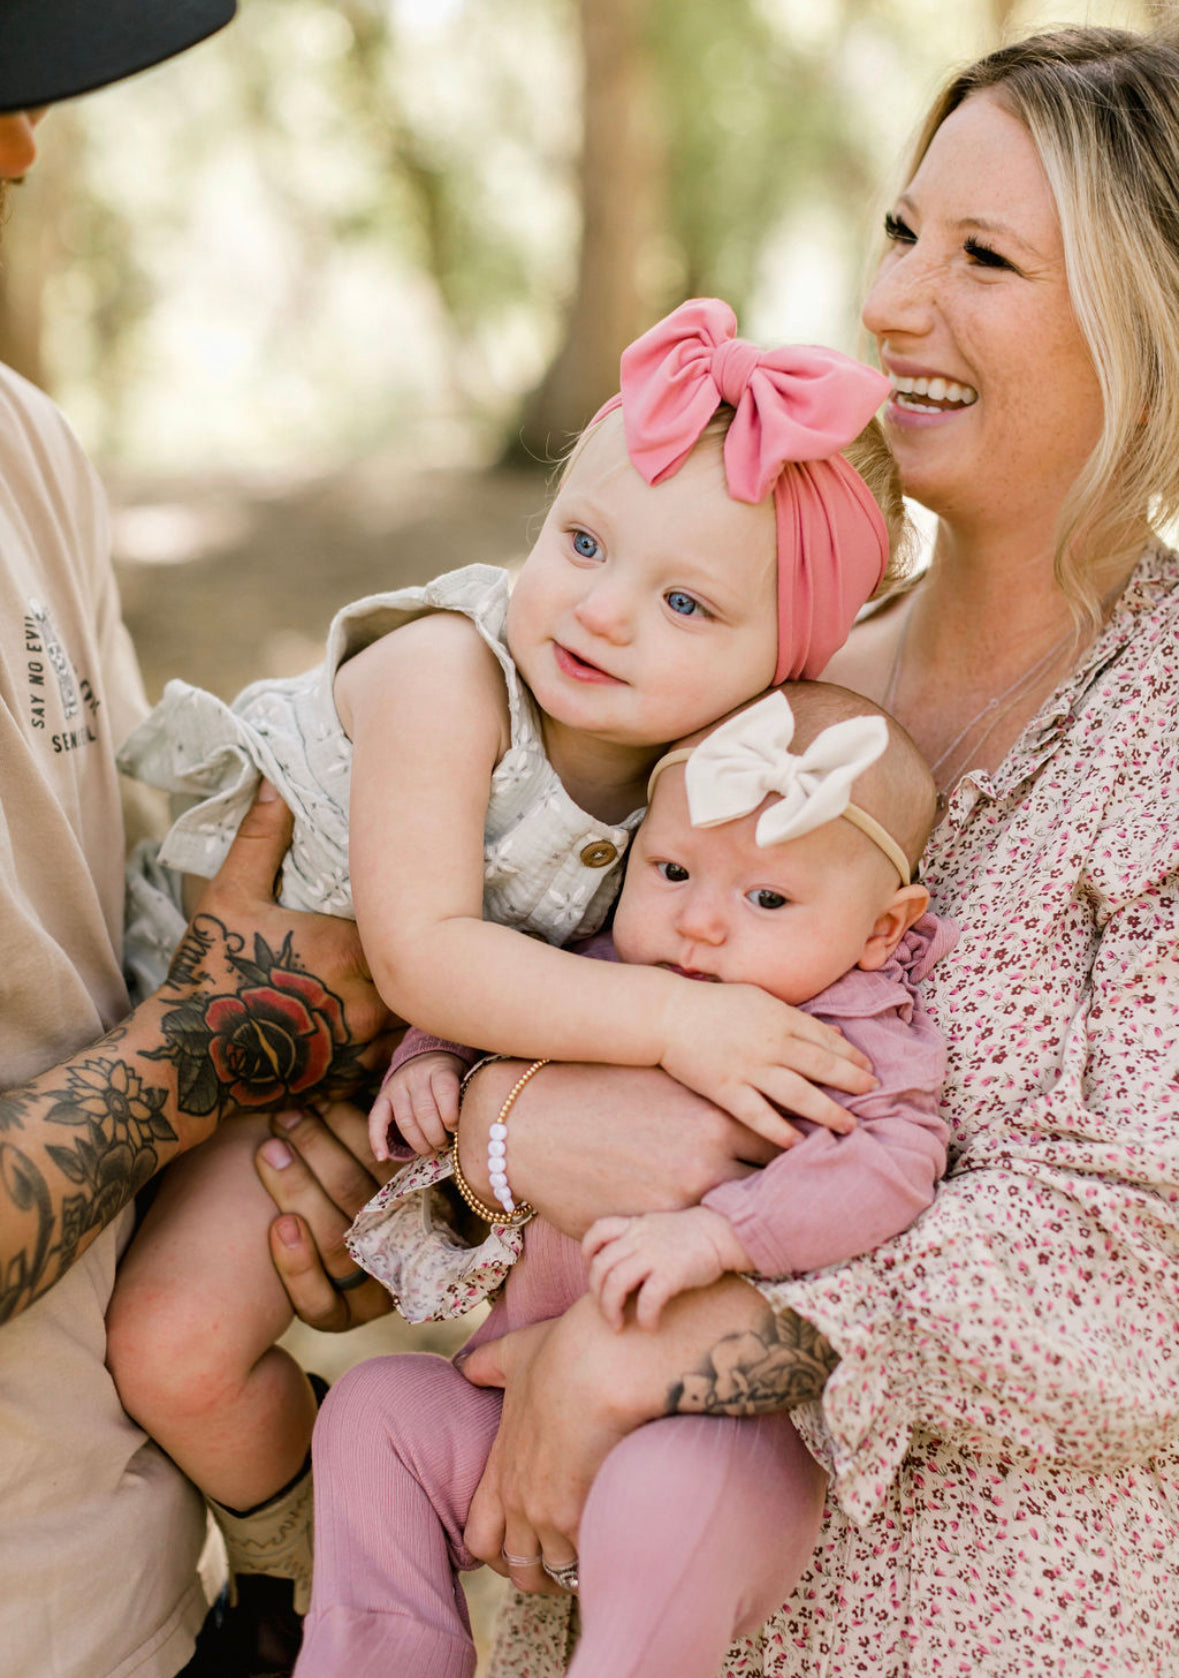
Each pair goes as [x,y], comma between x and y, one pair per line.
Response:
[835,1197]
[426,711]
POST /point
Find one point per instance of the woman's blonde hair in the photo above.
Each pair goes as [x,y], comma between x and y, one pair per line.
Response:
[1102,108]
[868,453]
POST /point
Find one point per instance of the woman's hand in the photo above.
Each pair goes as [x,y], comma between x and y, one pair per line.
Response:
[573,1389]
[319,1171]
[557,1428]
[753,1055]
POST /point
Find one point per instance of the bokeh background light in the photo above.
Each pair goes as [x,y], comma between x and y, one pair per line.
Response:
[345,223]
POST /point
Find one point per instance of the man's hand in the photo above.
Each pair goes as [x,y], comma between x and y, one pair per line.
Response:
[263,1008]
[272,1007]
[319,1172]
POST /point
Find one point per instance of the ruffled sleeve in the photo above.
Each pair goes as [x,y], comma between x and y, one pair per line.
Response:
[1034,1309]
[406,1238]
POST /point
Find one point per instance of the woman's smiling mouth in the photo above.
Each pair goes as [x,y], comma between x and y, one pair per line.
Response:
[931,396]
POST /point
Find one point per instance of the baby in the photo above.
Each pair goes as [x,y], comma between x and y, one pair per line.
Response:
[467,766]
[754,865]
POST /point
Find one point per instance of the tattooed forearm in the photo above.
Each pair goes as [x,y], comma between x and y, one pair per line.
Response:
[782,1362]
[227,1031]
[25,1196]
[112,1122]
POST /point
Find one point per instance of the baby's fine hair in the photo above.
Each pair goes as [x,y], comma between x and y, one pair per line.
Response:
[898,789]
[868,453]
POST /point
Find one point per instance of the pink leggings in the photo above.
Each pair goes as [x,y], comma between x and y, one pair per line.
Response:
[697,1528]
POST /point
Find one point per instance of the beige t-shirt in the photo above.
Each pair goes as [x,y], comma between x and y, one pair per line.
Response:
[99,1533]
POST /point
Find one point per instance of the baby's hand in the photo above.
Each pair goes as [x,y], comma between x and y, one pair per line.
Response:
[657,1256]
[751,1054]
[420,1099]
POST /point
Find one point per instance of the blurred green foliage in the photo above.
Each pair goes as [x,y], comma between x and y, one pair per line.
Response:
[346,221]
[754,120]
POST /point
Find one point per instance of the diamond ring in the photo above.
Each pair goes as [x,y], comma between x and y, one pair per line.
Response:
[565,1576]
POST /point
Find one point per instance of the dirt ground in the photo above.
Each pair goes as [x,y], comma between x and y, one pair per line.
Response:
[227,580]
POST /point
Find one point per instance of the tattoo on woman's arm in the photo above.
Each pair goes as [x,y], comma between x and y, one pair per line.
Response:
[782,1362]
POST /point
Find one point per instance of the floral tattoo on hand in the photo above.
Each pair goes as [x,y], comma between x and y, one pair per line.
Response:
[244,1031]
[263,1045]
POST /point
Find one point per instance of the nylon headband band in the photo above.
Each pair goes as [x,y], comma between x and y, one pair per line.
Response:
[881,838]
[868,825]
[680,755]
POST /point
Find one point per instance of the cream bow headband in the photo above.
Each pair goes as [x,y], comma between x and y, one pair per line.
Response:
[748,757]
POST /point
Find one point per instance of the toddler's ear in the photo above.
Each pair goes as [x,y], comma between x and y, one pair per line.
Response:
[905,906]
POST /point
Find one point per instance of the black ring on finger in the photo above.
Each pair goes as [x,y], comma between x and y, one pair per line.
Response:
[346,1284]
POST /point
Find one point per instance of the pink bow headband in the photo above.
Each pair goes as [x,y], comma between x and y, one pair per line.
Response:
[796,408]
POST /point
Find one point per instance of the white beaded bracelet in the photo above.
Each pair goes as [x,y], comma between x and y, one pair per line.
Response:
[497,1143]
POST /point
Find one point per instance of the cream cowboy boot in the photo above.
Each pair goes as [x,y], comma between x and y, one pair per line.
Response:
[274,1539]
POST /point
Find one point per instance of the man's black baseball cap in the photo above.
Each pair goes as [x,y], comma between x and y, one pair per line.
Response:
[52,49]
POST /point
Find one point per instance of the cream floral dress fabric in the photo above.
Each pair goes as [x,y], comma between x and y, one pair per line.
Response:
[1002,1430]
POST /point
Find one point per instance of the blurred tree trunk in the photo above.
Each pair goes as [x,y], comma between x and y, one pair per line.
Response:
[624,216]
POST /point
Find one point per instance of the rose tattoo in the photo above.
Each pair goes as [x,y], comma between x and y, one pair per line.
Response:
[265,1045]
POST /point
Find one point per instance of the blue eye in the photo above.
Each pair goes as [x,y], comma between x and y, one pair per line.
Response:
[682,603]
[585,545]
[673,871]
[766,899]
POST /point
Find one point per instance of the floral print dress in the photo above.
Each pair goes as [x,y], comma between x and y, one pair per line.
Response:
[1002,1431]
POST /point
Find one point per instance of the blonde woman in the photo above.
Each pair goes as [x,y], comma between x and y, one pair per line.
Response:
[996,1392]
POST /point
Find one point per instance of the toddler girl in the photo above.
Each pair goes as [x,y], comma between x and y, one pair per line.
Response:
[467,766]
[751,867]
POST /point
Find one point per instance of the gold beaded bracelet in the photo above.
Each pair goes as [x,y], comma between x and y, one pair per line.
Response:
[497,1215]
[490,1215]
